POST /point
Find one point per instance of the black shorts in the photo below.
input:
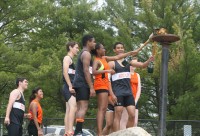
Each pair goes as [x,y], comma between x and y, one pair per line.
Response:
[101,91]
[66,93]
[14,129]
[110,108]
[82,93]
[32,129]
[136,106]
[125,101]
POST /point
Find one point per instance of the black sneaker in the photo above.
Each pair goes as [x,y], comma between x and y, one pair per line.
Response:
[78,134]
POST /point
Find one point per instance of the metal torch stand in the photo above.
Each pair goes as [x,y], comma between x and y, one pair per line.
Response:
[163,90]
[165,40]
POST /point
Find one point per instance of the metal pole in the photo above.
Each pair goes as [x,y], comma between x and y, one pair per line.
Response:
[165,40]
[163,89]
[1,126]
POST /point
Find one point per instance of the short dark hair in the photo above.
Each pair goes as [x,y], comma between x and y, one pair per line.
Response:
[70,44]
[86,38]
[97,46]
[115,44]
[19,79]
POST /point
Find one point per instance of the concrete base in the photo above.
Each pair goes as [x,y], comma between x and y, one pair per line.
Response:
[134,131]
[51,134]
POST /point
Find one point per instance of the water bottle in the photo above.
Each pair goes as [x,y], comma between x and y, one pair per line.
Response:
[150,67]
[126,60]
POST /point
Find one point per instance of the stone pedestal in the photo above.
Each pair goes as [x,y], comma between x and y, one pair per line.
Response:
[134,131]
[51,134]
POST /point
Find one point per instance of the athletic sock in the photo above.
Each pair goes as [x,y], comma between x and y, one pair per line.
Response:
[79,124]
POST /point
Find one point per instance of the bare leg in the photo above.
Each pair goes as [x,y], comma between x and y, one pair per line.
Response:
[136,117]
[71,114]
[109,123]
[80,114]
[66,117]
[131,115]
[117,118]
[102,105]
[124,119]
[82,108]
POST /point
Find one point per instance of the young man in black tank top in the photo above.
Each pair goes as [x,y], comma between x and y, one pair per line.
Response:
[121,86]
[83,81]
[68,91]
[15,109]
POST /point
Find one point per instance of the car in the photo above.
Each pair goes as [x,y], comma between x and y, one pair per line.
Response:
[60,130]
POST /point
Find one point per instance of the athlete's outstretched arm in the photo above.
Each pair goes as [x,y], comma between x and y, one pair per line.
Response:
[135,52]
[131,53]
[120,56]
[141,64]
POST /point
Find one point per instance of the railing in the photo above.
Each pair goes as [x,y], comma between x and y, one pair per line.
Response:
[174,127]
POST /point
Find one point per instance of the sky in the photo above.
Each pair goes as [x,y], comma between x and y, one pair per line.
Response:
[100,2]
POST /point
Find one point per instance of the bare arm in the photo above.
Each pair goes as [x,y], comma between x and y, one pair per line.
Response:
[66,62]
[111,64]
[135,52]
[138,89]
[86,57]
[141,64]
[120,56]
[113,97]
[13,96]
[27,115]
[117,57]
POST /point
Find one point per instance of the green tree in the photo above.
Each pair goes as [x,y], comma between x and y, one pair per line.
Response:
[179,17]
[33,36]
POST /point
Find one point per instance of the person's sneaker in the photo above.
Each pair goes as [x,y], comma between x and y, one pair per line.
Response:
[78,134]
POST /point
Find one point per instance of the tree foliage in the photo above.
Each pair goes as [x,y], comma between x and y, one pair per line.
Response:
[33,36]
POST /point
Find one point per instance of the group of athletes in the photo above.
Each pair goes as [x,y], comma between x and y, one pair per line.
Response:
[113,81]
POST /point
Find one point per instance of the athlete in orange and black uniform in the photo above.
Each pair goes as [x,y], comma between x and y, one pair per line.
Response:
[35,109]
[102,87]
[135,85]
[136,90]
